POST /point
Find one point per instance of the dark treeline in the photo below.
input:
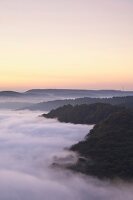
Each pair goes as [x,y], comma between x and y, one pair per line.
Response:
[122,101]
[83,114]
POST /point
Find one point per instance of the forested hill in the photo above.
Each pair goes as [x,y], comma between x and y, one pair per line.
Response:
[108,148]
[83,114]
[107,151]
[49,105]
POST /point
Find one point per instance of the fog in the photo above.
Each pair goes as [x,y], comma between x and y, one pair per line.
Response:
[19,100]
[28,146]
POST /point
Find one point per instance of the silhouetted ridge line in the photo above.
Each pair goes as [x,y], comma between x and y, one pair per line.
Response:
[49,105]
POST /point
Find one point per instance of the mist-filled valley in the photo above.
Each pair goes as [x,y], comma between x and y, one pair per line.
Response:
[28,145]
[66,100]
[31,147]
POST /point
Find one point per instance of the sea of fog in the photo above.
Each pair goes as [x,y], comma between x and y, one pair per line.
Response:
[28,146]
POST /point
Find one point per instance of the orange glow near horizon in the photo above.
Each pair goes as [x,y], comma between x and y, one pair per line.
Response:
[66,44]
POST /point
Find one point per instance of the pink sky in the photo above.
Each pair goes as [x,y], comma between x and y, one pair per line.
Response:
[66,44]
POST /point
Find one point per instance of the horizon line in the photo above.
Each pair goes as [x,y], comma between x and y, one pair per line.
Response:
[71,89]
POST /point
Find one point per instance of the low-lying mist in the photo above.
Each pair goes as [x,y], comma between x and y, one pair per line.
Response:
[13,103]
[28,146]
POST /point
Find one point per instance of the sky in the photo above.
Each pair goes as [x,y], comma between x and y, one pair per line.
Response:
[86,44]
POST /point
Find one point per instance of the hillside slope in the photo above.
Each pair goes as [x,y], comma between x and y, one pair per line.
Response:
[108,148]
[83,114]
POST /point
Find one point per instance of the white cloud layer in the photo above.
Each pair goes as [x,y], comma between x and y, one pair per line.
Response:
[28,144]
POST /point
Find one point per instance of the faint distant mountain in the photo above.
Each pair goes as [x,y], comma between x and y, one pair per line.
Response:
[66,93]
[10,94]
[78,93]
[49,105]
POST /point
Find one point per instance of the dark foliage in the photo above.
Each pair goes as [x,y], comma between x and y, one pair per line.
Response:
[83,114]
[107,151]
[108,148]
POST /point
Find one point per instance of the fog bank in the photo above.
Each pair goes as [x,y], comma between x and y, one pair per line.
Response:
[28,146]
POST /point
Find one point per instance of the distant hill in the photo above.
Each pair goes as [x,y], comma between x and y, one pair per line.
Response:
[10,94]
[76,93]
[68,93]
[48,99]
[49,105]
[83,114]
[107,151]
